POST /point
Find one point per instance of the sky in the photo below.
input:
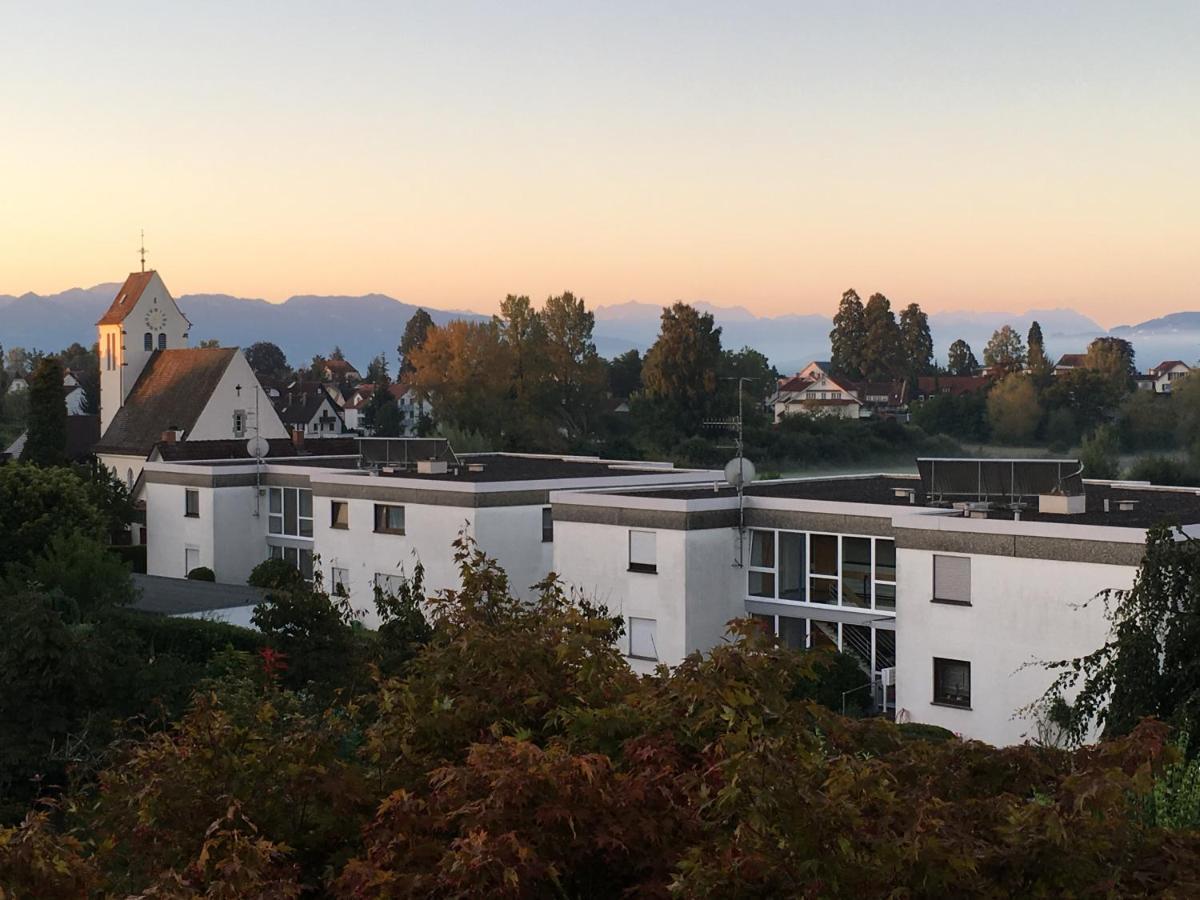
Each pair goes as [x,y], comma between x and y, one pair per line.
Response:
[963,155]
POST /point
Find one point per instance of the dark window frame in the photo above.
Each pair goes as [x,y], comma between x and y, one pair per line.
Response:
[191,503]
[381,518]
[547,528]
[941,698]
[334,506]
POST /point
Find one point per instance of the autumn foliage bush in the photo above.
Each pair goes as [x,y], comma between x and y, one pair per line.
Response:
[516,755]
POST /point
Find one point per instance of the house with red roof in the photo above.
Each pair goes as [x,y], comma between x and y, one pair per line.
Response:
[819,395]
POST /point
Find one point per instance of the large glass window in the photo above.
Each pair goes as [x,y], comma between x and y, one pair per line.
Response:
[389,519]
[300,557]
[836,570]
[289,512]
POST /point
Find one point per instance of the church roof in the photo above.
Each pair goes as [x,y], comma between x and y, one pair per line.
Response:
[127,298]
[170,393]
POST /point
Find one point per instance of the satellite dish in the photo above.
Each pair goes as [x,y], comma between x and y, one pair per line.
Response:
[739,471]
[258,447]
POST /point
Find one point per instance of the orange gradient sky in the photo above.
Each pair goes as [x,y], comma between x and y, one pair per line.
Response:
[963,155]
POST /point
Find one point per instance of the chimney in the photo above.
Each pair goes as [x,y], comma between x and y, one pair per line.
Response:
[168,437]
[298,438]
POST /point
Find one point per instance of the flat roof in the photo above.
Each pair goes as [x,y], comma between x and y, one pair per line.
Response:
[1153,504]
[498,467]
[489,468]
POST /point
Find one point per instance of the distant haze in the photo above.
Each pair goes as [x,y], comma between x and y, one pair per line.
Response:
[366,325]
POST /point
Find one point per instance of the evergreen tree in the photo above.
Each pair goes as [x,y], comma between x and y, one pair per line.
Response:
[916,341]
[416,330]
[625,374]
[1037,362]
[882,352]
[961,359]
[46,442]
[848,336]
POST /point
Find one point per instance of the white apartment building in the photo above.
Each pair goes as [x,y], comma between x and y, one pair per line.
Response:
[947,609]
[368,522]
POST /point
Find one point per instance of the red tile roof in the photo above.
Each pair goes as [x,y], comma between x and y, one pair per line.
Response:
[127,298]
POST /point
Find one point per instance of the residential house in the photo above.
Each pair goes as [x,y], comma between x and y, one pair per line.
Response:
[820,395]
[1069,361]
[310,407]
[956,385]
[1162,377]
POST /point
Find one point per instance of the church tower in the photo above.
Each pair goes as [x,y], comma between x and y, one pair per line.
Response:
[142,320]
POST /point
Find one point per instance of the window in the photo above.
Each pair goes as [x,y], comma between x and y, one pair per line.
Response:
[162,340]
[300,557]
[952,579]
[289,512]
[389,519]
[952,682]
[191,504]
[389,584]
[239,423]
[831,569]
[148,341]
[643,555]
[339,581]
[339,514]
[642,644]
[547,524]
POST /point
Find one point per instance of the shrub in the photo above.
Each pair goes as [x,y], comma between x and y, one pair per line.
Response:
[201,573]
[275,574]
[1163,470]
[1099,453]
[133,554]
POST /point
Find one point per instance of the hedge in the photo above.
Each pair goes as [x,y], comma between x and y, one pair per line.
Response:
[194,640]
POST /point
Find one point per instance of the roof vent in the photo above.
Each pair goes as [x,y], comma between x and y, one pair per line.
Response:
[1062,504]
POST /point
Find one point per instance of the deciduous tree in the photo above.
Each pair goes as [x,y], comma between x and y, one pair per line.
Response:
[416,329]
[680,370]
[961,359]
[1013,409]
[1005,351]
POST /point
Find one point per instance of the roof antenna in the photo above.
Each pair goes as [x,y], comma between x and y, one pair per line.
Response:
[143,250]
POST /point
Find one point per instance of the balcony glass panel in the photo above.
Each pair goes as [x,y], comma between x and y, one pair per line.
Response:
[793,633]
[792,566]
[824,549]
[762,584]
[856,572]
[823,590]
[885,560]
[762,549]
[885,596]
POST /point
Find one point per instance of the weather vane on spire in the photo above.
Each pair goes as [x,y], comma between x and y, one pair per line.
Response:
[143,250]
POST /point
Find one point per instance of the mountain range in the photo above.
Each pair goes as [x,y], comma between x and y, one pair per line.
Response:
[363,326]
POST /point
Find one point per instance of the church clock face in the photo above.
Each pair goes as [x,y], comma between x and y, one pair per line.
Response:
[156,319]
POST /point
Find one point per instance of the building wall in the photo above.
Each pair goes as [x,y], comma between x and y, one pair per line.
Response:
[216,420]
[513,534]
[1022,611]
[229,539]
[429,533]
[691,598]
